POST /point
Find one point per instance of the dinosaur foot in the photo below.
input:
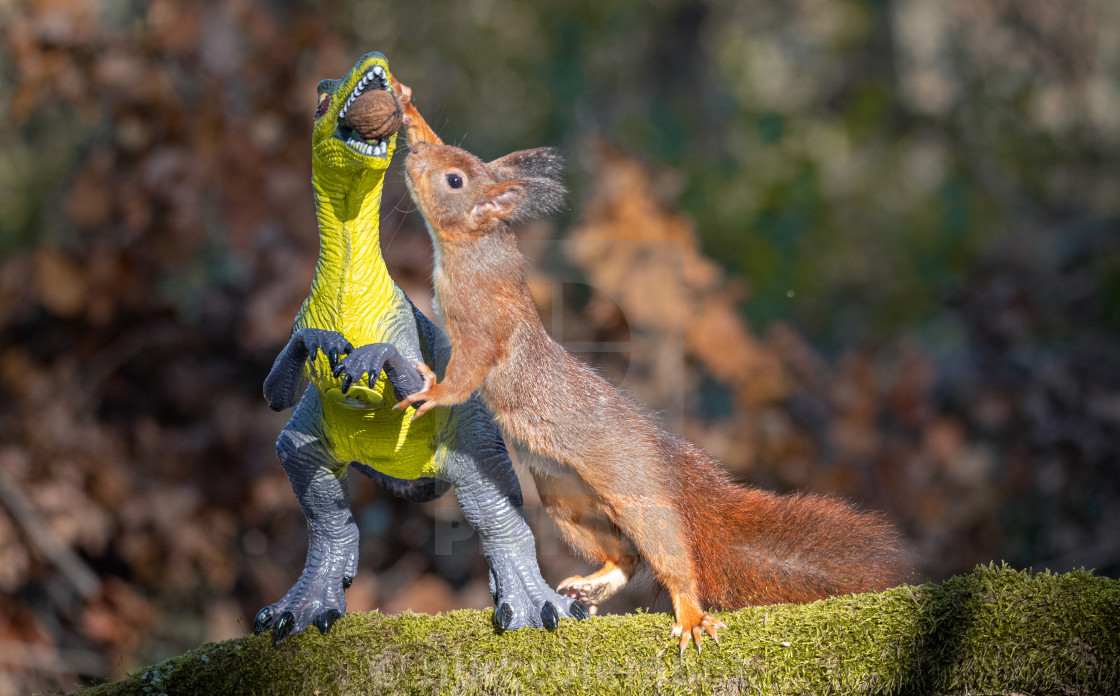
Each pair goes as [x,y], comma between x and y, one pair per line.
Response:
[522,599]
[315,600]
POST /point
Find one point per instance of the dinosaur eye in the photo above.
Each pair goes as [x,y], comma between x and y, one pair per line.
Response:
[324,104]
[455,181]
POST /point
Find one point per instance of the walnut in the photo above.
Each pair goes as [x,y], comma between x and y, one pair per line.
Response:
[375,114]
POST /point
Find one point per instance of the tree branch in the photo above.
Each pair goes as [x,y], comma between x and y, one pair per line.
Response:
[994,631]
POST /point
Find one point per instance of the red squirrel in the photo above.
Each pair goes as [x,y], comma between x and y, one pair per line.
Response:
[621,489]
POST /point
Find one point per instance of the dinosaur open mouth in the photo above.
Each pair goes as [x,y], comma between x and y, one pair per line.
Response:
[374,78]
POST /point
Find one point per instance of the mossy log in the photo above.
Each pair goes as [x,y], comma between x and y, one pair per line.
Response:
[994,631]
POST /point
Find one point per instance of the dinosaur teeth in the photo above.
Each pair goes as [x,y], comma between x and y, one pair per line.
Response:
[377,147]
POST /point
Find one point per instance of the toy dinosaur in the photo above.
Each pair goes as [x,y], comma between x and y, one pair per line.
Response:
[356,324]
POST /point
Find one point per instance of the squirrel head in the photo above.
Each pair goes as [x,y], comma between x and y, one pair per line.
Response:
[461,196]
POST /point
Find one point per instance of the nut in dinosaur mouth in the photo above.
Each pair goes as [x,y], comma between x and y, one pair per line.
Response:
[370,115]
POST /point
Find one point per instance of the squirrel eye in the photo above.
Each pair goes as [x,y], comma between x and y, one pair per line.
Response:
[455,181]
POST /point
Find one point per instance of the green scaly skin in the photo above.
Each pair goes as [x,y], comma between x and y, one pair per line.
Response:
[355,337]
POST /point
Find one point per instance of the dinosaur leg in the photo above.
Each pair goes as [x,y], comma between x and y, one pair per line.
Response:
[318,596]
[490,497]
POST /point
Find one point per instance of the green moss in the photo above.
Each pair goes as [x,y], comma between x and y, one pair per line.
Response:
[993,631]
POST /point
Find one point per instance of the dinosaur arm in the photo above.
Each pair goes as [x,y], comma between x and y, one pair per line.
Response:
[371,360]
[281,386]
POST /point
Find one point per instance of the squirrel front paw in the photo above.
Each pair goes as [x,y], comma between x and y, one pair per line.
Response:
[426,394]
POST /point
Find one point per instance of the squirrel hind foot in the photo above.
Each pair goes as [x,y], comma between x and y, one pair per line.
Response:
[693,622]
[595,588]
[581,596]
[695,633]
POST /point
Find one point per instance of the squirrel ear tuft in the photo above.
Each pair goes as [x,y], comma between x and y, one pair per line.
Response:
[539,163]
[544,196]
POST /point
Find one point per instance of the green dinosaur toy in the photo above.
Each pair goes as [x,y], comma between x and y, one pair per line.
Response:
[357,322]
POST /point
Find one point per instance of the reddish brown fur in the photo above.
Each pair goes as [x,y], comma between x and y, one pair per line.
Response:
[617,485]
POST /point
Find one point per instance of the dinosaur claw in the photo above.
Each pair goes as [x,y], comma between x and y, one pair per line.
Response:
[283,627]
[580,611]
[325,620]
[503,617]
[347,380]
[262,619]
[347,581]
[550,617]
[332,356]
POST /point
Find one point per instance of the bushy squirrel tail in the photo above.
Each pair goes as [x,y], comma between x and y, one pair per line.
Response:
[755,547]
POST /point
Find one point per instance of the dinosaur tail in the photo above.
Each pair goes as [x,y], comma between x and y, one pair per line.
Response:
[763,548]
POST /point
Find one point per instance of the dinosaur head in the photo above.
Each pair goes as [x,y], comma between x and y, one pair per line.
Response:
[334,143]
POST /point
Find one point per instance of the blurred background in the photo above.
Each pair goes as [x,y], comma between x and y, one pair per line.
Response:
[861,247]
